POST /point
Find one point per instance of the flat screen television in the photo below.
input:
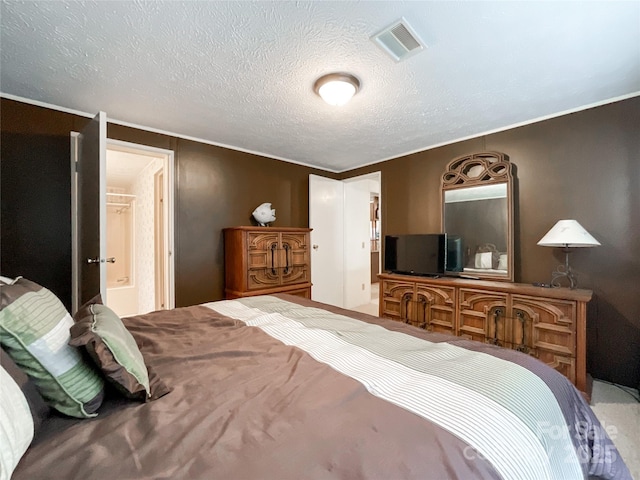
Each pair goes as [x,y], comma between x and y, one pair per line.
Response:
[455,256]
[422,254]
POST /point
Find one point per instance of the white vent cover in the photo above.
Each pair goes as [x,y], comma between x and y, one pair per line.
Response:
[399,40]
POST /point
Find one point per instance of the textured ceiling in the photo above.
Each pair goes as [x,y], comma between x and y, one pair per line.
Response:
[241,74]
[123,168]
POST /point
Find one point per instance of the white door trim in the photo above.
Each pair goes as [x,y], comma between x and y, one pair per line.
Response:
[74,221]
[169,193]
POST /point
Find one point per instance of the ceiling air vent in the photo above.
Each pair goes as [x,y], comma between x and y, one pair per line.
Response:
[399,40]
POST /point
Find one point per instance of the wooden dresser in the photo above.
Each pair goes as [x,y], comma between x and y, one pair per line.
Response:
[263,260]
[547,323]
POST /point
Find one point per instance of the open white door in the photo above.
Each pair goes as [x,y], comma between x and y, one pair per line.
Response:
[89,211]
[357,243]
[326,218]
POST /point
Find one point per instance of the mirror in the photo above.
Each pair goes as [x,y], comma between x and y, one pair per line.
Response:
[477,216]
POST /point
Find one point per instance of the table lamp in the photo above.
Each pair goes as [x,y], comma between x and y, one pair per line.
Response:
[567,234]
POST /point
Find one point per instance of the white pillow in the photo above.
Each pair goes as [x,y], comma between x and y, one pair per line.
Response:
[484,260]
[502,262]
[7,280]
[16,425]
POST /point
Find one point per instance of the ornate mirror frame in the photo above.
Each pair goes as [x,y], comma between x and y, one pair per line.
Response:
[483,172]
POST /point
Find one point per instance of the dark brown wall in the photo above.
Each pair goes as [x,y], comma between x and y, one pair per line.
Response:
[584,166]
[215,188]
[35,185]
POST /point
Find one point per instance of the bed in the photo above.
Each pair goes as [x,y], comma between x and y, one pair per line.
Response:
[280,387]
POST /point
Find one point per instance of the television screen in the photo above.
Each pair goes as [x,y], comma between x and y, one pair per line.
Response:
[424,254]
[455,258]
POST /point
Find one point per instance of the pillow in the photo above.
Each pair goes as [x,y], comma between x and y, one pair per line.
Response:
[487,261]
[39,409]
[502,262]
[16,424]
[114,350]
[6,280]
[484,260]
[34,331]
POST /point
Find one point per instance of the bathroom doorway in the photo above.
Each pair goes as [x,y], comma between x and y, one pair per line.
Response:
[139,228]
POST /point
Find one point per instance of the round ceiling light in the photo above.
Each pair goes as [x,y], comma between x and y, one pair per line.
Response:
[337,88]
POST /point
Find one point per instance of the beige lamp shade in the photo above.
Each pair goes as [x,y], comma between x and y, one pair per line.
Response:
[568,233]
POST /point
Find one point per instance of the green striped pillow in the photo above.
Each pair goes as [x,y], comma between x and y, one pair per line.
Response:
[110,345]
[34,330]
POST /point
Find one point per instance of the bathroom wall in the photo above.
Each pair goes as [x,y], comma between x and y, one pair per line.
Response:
[143,189]
[119,237]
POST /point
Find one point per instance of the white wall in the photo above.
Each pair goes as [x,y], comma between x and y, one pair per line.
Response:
[122,295]
[143,189]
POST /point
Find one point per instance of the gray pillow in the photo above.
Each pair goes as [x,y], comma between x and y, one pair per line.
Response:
[114,350]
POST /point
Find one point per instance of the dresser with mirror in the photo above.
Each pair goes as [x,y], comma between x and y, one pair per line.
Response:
[478,298]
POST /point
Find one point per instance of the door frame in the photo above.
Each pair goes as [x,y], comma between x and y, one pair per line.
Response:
[74,222]
[85,288]
[159,244]
[376,177]
[168,207]
[341,226]
[169,194]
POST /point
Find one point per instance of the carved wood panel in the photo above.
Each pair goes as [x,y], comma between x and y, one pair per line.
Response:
[482,316]
[262,249]
[551,324]
[260,278]
[396,300]
[477,169]
[294,258]
[435,308]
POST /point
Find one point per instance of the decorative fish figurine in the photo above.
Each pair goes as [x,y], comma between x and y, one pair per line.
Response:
[264,214]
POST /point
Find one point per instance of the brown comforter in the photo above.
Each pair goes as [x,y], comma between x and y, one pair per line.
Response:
[246,406]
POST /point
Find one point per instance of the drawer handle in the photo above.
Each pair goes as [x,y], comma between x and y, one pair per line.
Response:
[496,317]
[523,343]
[406,298]
[286,257]
[273,256]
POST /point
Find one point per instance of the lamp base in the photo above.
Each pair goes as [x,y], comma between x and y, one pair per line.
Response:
[564,271]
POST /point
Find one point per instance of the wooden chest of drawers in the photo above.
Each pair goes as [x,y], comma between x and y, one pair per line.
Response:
[547,323]
[262,260]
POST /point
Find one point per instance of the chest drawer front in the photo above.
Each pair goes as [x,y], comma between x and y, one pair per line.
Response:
[545,325]
[435,308]
[396,299]
[295,274]
[261,278]
[565,364]
[483,316]
[294,258]
[262,250]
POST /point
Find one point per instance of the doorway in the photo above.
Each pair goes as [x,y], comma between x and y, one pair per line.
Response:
[139,228]
[339,214]
[371,182]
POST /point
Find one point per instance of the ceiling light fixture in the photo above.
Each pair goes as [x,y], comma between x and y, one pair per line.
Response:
[337,88]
